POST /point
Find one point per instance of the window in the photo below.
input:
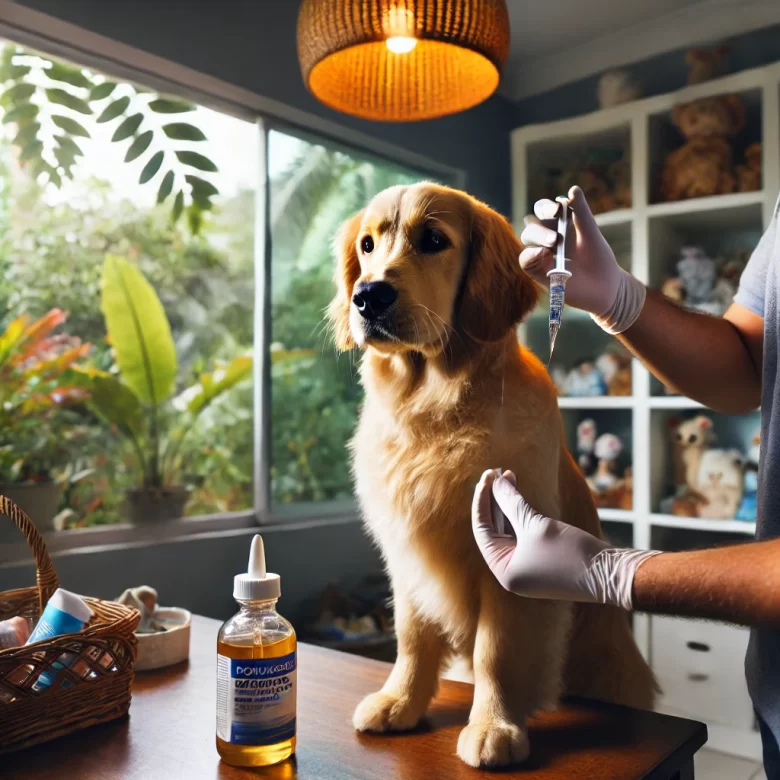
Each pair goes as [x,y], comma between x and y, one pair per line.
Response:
[314,391]
[85,164]
[127,304]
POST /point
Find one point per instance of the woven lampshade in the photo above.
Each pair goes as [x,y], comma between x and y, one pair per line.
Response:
[402,60]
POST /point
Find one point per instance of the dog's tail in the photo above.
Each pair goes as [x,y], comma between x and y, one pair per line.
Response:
[604,662]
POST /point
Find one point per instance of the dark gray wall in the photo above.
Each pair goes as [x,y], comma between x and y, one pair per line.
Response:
[197,574]
[657,75]
[251,43]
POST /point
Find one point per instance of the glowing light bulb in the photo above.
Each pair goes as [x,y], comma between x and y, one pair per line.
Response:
[400,44]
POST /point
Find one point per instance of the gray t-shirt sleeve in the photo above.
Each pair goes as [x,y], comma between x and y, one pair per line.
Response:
[753,282]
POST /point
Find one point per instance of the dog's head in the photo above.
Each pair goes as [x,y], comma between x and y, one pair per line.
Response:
[424,265]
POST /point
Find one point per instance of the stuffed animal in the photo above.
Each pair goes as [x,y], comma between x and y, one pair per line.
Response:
[607,450]
[672,288]
[749,174]
[616,87]
[706,64]
[703,165]
[720,483]
[597,191]
[619,178]
[615,368]
[697,278]
[692,438]
[586,442]
[584,381]
[558,376]
[748,509]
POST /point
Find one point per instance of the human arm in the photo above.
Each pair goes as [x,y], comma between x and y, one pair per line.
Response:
[717,362]
[551,560]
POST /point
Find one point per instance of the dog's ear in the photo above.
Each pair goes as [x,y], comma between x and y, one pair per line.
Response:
[497,294]
[346,274]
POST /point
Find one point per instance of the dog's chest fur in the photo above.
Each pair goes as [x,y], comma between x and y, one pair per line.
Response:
[415,492]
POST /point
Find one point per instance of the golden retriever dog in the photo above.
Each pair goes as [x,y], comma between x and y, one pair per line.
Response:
[429,287]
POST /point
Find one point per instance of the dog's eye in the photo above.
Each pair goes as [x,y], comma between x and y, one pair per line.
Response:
[433,241]
[367,244]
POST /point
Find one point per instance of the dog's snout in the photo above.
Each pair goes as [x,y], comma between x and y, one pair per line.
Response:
[373,298]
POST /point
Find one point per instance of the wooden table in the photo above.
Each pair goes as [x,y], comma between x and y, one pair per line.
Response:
[170,733]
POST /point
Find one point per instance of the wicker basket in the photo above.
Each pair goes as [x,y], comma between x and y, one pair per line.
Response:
[93,688]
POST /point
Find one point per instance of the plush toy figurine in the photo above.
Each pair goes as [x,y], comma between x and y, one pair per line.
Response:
[692,439]
[619,176]
[749,174]
[672,288]
[584,381]
[607,450]
[586,442]
[697,277]
[616,87]
[706,64]
[748,508]
[615,368]
[703,165]
[720,483]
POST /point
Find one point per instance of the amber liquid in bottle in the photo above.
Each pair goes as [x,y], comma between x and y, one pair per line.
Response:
[256,633]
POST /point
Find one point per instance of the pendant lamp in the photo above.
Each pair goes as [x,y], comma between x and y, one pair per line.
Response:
[403,60]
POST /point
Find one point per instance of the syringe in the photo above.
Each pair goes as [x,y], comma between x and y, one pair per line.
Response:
[498,516]
[559,275]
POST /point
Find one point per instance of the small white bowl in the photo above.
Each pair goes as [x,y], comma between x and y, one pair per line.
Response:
[165,648]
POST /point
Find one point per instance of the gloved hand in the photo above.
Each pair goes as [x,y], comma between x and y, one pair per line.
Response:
[548,559]
[598,284]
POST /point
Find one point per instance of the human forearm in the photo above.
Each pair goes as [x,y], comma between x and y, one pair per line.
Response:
[739,584]
[702,357]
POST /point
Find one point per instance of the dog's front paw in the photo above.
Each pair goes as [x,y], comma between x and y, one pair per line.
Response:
[381,712]
[493,744]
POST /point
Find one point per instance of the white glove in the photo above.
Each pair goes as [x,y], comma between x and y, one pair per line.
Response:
[598,284]
[547,559]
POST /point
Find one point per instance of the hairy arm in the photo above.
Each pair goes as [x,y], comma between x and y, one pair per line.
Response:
[716,361]
[738,584]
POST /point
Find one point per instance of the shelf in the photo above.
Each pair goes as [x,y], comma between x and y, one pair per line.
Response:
[617,217]
[699,524]
[714,203]
[616,516]
[597,402]
[674,402]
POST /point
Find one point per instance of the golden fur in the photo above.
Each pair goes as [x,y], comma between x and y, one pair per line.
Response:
[449,394]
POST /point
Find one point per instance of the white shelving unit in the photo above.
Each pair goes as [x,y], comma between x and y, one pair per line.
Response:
[707,686]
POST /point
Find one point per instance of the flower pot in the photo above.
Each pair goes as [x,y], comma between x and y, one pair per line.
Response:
[144,506]
[40,500]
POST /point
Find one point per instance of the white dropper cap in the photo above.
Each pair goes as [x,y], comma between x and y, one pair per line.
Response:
[257,584]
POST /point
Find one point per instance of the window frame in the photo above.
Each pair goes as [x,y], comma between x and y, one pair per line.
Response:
[58,38]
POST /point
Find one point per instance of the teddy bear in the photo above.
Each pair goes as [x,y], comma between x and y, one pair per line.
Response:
[705,64]
[749,174]
[619,178]
[597,191]
[607,450]
[719,483]
[703,165]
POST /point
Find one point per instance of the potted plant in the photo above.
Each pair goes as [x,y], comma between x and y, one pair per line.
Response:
[35,367]
[138,402]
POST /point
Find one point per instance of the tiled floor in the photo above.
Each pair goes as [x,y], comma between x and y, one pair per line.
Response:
[717,766]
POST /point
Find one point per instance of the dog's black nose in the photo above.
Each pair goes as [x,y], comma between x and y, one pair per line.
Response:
[373,298]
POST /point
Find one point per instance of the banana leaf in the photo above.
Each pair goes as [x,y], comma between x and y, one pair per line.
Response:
[139,332]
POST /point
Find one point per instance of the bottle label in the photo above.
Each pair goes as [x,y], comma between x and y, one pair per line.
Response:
[256,699]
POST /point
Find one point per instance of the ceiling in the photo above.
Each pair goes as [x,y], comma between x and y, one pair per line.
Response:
[558,41]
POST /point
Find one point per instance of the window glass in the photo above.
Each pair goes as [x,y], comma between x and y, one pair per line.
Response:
[315,392]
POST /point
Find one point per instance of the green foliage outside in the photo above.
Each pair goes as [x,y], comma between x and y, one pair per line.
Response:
[202,271]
